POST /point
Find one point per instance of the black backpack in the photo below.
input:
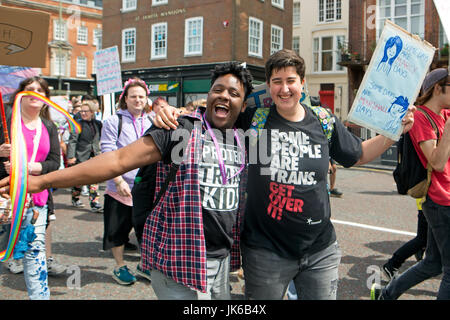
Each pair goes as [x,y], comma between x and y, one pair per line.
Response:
[409,173]
[143,191]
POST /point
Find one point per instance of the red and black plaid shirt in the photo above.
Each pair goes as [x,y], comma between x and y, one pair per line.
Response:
[173,240]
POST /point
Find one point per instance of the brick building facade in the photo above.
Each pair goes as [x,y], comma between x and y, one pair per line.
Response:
[174,44]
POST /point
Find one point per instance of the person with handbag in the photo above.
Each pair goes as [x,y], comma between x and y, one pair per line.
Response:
[435,101]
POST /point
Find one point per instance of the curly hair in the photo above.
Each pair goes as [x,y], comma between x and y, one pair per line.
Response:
[239,71]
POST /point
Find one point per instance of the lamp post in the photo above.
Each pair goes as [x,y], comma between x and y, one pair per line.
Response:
[59,49]
[68,88]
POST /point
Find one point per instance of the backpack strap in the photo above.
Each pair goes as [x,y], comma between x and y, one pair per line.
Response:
[170,177]
[119,127]
[261,114]
[172,172]
[433,124]
[326,120]
[436,130]
[257,124]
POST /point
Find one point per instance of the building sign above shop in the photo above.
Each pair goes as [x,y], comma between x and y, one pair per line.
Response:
[163,14]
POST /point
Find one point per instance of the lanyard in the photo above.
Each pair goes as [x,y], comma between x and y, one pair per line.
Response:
[142,126]
[219,154]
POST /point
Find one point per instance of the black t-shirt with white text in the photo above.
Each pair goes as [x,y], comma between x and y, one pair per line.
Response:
[288,208]
[220,201]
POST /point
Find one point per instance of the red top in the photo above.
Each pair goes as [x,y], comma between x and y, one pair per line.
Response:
[422,130]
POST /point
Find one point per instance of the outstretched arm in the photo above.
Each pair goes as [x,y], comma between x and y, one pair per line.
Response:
[98,169]
[373,148]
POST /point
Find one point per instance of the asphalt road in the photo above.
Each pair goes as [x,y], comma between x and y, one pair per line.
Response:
[371,222]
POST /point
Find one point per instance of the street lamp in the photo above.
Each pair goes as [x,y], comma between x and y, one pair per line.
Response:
[59,49]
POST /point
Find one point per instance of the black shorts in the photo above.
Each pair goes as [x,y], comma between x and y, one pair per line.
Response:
[117,223]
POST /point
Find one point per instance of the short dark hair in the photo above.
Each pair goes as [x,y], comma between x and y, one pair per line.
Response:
[239,71]
[282,59]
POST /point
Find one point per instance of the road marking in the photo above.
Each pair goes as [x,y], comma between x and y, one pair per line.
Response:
[366,226]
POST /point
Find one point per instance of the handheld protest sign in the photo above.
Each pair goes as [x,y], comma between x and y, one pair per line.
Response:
[392,81]
[11,218]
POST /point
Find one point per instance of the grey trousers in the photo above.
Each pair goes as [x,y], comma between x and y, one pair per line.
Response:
[267,275]
[218,284]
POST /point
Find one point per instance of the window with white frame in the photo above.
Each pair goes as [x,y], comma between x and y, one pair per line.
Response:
[255,37]
[296,14]
[408,14]
[97,36]
[59,30]
[330,10]
[159,2]
[278,3]
[129,45]
[59,65]
[159,41]
[276,39]
[193,40]
[128,5]
[296,44]
[326,54]
[81,66]
[82,35]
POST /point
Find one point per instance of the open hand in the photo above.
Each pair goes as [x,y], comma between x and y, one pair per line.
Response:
[408,119]
[166,118]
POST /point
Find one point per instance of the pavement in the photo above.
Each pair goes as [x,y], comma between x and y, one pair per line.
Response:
[371,222]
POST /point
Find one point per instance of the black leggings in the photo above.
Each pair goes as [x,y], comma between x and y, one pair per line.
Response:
[413,245]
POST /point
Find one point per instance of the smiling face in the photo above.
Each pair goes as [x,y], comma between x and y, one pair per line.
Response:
[86,113]
[286,88]
[30,102]
[391,52]
[225,101]
[136,100]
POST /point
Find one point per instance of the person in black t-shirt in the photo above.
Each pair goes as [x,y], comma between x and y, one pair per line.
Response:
[287,231]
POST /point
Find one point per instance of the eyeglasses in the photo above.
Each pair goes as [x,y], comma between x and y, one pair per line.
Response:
[84,111]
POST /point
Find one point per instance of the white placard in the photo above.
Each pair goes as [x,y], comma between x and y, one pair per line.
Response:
[392,81]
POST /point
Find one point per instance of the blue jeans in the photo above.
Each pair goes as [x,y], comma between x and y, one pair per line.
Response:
[35,261]
[437,255]
[267,275]
[218,284]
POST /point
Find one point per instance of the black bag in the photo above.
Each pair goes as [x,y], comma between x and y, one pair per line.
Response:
[143,191]
[410,175]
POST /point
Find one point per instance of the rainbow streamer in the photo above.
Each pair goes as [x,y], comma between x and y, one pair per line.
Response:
[19,166]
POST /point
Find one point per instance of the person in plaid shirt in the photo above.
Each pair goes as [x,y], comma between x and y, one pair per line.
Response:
[191,239]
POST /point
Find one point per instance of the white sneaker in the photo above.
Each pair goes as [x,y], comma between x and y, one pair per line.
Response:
[84,191]
[54,268]
[15,266]
[52,217]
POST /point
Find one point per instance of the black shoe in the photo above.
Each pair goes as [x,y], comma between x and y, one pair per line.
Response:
[130,247]
[390,271]
[419,254]
[336,193]
[376,292]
